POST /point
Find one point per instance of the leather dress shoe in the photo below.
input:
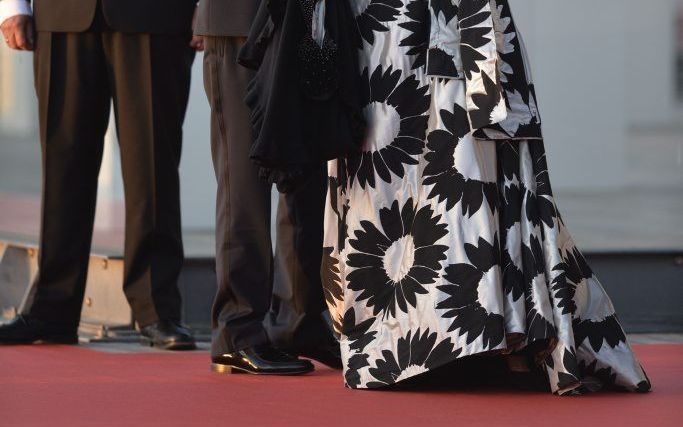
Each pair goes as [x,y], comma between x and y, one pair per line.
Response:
[25,329]
[168,335]
[260,360]
[328,354]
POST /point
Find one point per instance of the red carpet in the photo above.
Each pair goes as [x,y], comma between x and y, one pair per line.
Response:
[71,386]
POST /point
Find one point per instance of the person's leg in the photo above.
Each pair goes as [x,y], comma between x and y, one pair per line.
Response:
[150,77]
[243,243]
[296,318]
[74,99]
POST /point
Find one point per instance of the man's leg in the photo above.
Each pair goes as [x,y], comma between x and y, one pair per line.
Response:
[74,99]
[150,76]
[296,319]
[243,243]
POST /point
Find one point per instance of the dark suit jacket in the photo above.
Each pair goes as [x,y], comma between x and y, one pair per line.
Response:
[225,17]
[128,16]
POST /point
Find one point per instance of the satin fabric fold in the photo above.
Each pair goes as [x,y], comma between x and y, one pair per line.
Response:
[442,238]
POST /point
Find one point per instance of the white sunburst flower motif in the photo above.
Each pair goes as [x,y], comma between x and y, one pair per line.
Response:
[465,299]
[398,259]
[396,110]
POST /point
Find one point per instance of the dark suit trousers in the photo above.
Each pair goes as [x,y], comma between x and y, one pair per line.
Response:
[295,319]
[76,76]
[245,267]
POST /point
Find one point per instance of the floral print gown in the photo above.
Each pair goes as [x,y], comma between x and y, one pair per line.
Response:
[442,238]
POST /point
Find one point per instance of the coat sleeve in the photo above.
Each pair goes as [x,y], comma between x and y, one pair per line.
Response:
[463,45]
[477,41]
[9,8]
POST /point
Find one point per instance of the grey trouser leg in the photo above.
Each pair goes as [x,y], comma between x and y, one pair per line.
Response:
[244,257]
[243,244]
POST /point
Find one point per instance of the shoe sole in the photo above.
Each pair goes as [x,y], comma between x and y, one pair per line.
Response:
[305,355]
[175,346]
[229,369]
[329,365]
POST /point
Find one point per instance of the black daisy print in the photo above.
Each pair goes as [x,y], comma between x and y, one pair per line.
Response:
[519,91]
[418,26]
[336,187]
[441,60]
[521,282]
[330,276]
[485,102]
[463,304]
[392,266]
[449,184]
[533,259]
[607,330]
[359,336]
[513,278]
[510,215]
[609,378]
[447,7]
[510,188]
[415,354]
[374,17]
[355,363]
[505,35]
[407,279]
[441,64]
[396,110]
[540,207]
[569,375]
[572,271]
[471,15]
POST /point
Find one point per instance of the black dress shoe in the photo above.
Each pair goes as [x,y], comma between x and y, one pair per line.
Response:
[24,329]
[260,360]
[168,335]
[328,354]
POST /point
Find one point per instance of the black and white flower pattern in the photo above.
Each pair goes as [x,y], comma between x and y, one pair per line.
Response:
[374,15]
[417,24]
[358,335]
[415,353]
[395,109]
[448,183]
[463,303]
[393,266]
[443,238]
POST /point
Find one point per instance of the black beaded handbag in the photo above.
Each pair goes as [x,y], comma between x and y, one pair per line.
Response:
[305,98]
[318,63]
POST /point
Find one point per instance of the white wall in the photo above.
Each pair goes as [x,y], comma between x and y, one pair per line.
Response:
[17,102]
[605,78]
[576,49]
[601,69]
[198,183]
[650,63]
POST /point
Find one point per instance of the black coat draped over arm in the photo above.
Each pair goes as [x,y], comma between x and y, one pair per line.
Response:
[295,130]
